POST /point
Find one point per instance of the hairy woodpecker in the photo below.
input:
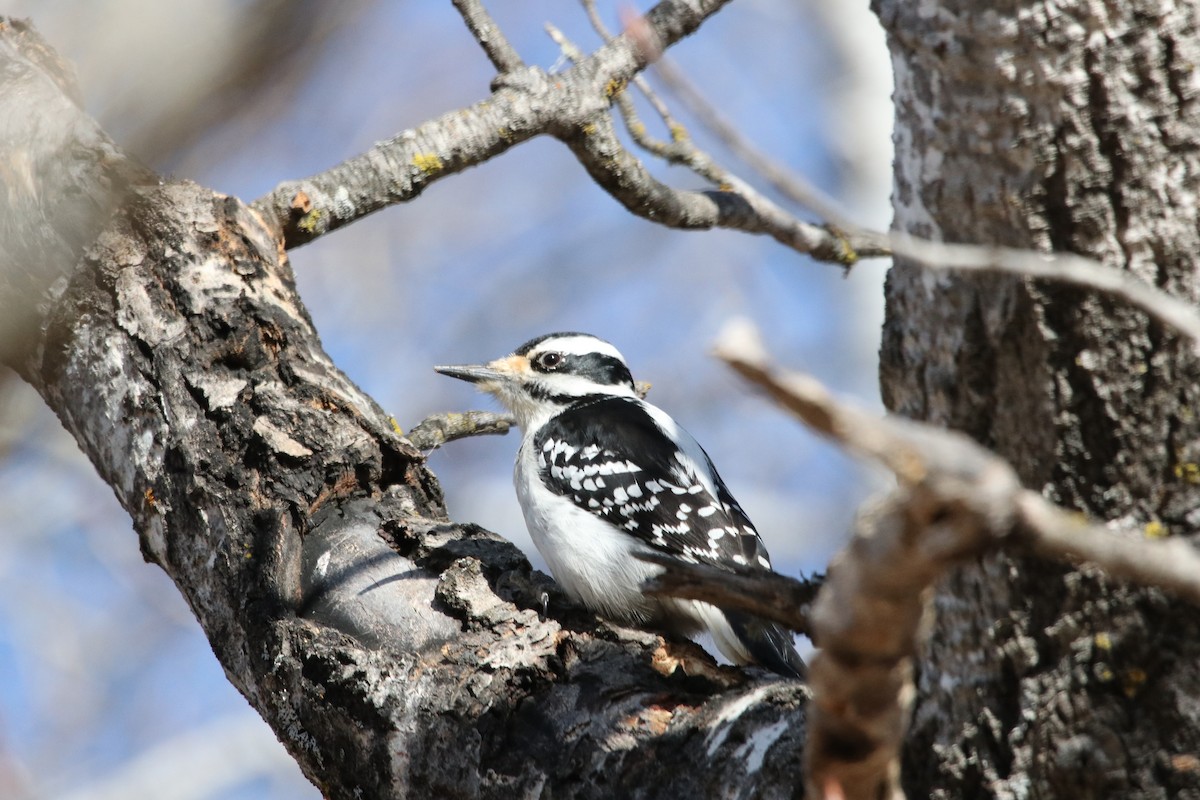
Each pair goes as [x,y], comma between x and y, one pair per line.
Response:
[602,474]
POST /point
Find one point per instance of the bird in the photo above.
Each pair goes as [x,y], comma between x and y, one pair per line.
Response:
[602,475]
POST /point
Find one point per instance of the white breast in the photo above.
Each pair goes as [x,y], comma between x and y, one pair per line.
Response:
[594,563]
[590,559]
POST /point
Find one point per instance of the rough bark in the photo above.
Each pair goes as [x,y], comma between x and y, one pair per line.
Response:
[394,652]
[1057,127]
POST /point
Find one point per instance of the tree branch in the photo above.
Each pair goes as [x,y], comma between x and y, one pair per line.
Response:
[572,106]
[485,30]
[765,594]
[640,82]
[598,148]
[435,431]
[955,500]
[734,204]
[1171,564]
[1150,557]
[525,103]
[1070,268]
[1062,267]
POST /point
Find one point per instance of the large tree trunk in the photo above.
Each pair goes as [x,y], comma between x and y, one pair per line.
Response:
[1055,127]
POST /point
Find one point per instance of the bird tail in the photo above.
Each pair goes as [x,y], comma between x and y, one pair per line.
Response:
[769,645]
[747,639]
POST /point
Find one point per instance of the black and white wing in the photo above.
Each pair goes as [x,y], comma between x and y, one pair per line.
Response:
[628,463]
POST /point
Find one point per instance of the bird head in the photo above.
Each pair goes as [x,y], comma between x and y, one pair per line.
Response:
[547,374]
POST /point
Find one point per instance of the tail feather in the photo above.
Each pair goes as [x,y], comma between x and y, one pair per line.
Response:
[747,639]
[769,645]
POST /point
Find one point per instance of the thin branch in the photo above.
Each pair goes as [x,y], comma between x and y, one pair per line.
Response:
[1171,564]
[680,150]
[1064,267]
[750,210]
[622,175]
[485,30]
[633,123]
[524,103]
[788,183]
[438,429]
[927,456]
[765,594]
[589,7]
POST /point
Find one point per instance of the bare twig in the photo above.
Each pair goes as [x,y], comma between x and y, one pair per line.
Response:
[614,168]
[589,6]
[765,217]
[485,30]
[788,183]
[678,151]
[434,431]
[765,594]
[1171,564]
[524,103]
[629,113]
[438,429]
[1064,267]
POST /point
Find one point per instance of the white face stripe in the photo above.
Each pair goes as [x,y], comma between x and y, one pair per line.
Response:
[578,386]
[579,345]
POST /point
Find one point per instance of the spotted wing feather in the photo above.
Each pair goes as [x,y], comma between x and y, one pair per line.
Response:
[610,457]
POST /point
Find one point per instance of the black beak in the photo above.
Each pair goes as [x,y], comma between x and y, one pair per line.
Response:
[472,373]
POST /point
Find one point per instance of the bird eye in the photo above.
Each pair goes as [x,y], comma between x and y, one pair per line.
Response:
[549,360]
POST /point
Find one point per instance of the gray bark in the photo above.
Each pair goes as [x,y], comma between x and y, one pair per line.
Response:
[394,652]
[1056,127]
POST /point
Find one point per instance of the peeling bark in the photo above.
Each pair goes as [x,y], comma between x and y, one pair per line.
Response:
[1066,127]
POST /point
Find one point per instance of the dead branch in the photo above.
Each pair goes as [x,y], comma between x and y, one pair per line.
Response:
[768,595]
[572,106]
[434,431]
[1063,267]
[1141,556]
[485,30]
